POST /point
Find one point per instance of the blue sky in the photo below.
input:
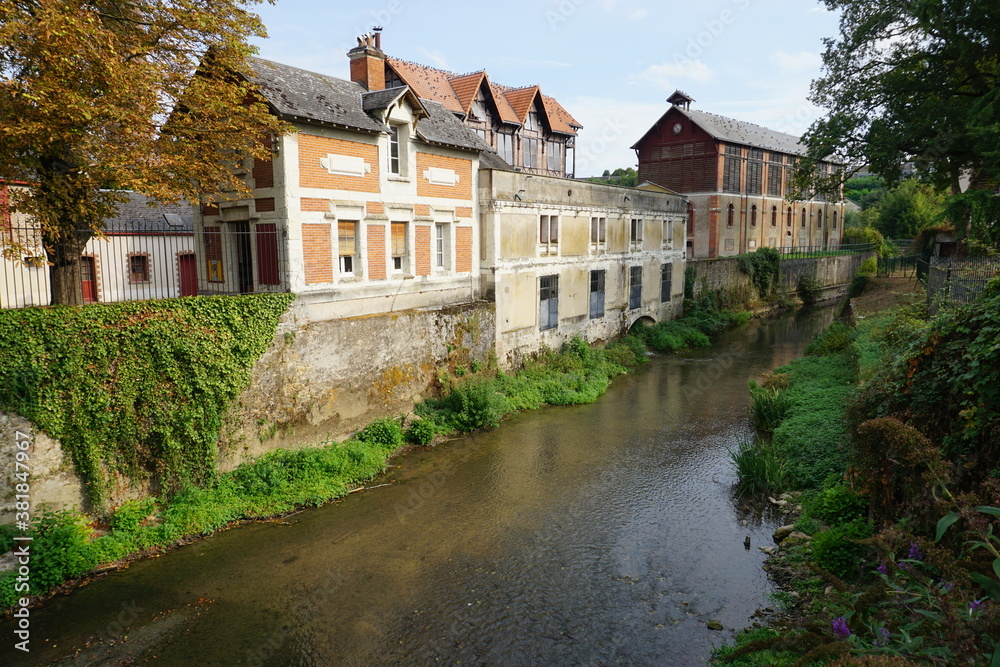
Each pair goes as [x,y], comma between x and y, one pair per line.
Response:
[611,63]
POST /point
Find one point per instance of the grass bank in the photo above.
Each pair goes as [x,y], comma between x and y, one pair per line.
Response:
[68,546]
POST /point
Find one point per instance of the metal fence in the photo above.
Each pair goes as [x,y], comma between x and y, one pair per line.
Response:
[898,267]
[141,264]
[795,252]
[959,280]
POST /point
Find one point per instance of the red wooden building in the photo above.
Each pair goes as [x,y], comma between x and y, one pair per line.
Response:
[736,176]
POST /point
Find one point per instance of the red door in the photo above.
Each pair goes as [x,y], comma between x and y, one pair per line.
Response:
[88,278]
[189,274]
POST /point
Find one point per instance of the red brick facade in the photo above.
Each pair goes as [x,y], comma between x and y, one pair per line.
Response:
[463,249]
[463,168]
[422,250]
[317,253]
[312,174]
[376,252]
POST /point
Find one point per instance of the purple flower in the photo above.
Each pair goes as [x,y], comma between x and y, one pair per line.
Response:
[883,568]
[946,586]
[915,552]
[975,606]
[840,628]
[883,637]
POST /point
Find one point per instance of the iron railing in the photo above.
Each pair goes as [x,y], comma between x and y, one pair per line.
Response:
[232,258]
[959,280]
[796,252]
[898,267]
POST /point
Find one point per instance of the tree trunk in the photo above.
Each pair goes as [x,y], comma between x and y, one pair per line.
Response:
[64,267]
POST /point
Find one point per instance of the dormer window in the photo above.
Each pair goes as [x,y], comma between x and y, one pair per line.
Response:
[532,122]
[394,161]
[479,109]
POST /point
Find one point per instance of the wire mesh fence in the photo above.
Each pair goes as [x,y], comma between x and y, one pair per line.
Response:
[142,264]
[959,280]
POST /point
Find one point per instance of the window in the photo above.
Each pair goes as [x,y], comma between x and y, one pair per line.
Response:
[635,287]
[597,294]
[532,121]
[731,173]
[394,167]
[666,278]
[774,175]
[730,244]
[667,236]
[819,219]
[530,152]
[635,231]
[267,254]
[440,246]
[505,146]
[753,215]
[755,165]
[138,269]
[803,221]
[398,245]
[213,254]
[788,221]
[774,216]
[598,228]
[834,220]
[553,155]
[347,245]
[548,300]
[730,215]
[479,108]
[548,231]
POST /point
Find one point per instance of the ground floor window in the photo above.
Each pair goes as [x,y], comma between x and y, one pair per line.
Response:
[597,294]
[666,276]
[347,244]
[548,300]
[635,287]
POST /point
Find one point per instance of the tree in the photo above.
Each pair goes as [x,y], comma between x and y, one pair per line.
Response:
[914,81]
[101,96]
[909,208]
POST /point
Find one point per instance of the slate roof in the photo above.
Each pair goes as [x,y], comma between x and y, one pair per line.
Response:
[136,216]
[300,95]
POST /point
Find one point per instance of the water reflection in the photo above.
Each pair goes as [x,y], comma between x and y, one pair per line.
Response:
[579,535]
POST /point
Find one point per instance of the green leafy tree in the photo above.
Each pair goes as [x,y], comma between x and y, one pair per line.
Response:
[865,191]
[914,82]
[909,208]
[101,96]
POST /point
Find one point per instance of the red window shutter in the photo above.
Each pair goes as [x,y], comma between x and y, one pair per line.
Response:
[267,255]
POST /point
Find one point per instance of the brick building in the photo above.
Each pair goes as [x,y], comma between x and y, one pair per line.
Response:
[528,129]
[736,176]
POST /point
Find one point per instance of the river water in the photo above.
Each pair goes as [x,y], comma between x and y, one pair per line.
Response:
[587,535]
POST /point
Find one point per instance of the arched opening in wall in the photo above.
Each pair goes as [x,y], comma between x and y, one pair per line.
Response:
[753,215]
[803,219]
[644,321]
[730,212]
[834,224]
[819,219]
[788,223]
[774,216]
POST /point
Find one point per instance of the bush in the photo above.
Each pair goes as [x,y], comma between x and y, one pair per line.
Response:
[385,432]
[7,534]
[768,407]
[130,515]
[858,286]
[837,338]
[759,469]
[421,432]
[763,268]
[59,549]
[475,404]
[837,550]
[810,289]
[837,504]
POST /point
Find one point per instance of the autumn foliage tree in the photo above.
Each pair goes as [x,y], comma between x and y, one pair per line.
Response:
[102,96]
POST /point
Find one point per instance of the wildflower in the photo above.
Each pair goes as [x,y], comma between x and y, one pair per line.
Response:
[946,586]
[883,568]
[840,628]
[975,606]
[915,552]
[883,637]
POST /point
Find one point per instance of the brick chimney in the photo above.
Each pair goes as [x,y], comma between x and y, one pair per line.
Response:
[368,61]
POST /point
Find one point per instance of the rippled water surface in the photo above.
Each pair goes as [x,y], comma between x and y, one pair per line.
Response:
[597,534]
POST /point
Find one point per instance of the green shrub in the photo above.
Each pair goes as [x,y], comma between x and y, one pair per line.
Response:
[768,407]
[837,504]
[626,352]
[7,533]
[763,268]
[386,432]
[59,550]
[474,405]
[837,338]
[810,289]
[759,469]
[129,515]
[837,550]
[421,431]
[869,267]
[858,286]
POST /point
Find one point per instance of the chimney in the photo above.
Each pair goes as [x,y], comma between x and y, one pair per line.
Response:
[368,61]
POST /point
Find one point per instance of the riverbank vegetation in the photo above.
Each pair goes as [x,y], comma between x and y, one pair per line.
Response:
[68,546]
[889,441]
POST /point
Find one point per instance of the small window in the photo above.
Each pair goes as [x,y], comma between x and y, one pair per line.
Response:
[398,245]
[834,224]
[553,155]
[530,152]
[753,215]
[730,216]
[803,221]
[666,276]
[598,229]
[635,287]
[505,146]
[819,219]
[347,246]
[548,232]
[441,246]
[774,216]
[138,269]
[635,231]
[668,233]
[788,222]
[394,163]
[597,294]
[548,300]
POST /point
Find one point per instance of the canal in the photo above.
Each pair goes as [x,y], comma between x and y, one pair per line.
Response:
[597,534]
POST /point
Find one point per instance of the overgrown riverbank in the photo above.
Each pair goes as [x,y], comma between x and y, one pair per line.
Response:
[890,433]
[68,546]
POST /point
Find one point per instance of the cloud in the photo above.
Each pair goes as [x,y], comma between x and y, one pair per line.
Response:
[638,15]
[610,127]
[436,57]
[797,63]
[665,74]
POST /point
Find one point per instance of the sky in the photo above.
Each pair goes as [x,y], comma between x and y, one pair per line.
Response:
[610,63]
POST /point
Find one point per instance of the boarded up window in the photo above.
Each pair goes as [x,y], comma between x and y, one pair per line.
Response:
[267,254]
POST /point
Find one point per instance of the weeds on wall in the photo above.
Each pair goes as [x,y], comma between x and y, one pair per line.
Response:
[763,267]
[135,389]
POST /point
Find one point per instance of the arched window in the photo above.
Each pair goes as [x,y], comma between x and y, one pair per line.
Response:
[729,216]
[834,219]
[788,223]
[803,218]
[753,216]
[819,219]
[774,216]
